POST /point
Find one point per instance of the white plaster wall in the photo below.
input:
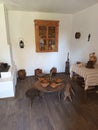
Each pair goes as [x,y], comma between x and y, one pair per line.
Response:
[4,46]
[21,26]
[8,82]
[85,22]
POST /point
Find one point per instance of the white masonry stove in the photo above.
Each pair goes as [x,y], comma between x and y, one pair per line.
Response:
[8,82]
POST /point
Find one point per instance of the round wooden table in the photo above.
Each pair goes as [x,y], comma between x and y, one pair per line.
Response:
[49,89]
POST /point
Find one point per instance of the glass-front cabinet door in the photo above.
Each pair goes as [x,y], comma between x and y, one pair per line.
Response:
[46,35]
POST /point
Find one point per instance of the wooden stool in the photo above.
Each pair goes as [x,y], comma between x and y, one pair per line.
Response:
[67,92]
[32,93]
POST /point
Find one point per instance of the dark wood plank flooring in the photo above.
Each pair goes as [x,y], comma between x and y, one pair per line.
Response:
[48,112]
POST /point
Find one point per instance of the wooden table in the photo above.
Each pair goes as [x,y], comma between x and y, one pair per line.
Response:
[49,89]
[90,75]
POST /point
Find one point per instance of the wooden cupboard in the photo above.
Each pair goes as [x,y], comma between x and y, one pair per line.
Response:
[46,35]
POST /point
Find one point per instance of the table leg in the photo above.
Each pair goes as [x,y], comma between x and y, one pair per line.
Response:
[41,94]
[59,95]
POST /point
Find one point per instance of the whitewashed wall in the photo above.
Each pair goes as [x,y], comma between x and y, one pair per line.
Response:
[85,22]
[4,46]
[21,26]
[7,79]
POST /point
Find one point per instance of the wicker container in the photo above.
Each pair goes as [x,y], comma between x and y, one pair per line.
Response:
[21,74]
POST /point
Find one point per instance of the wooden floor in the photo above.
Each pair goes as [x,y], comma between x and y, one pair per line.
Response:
[48,112]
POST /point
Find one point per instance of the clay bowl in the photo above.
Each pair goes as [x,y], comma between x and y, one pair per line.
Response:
[59,80]
[44,83]
[53,85]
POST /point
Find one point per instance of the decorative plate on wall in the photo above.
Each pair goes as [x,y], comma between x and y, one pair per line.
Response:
[77,35]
